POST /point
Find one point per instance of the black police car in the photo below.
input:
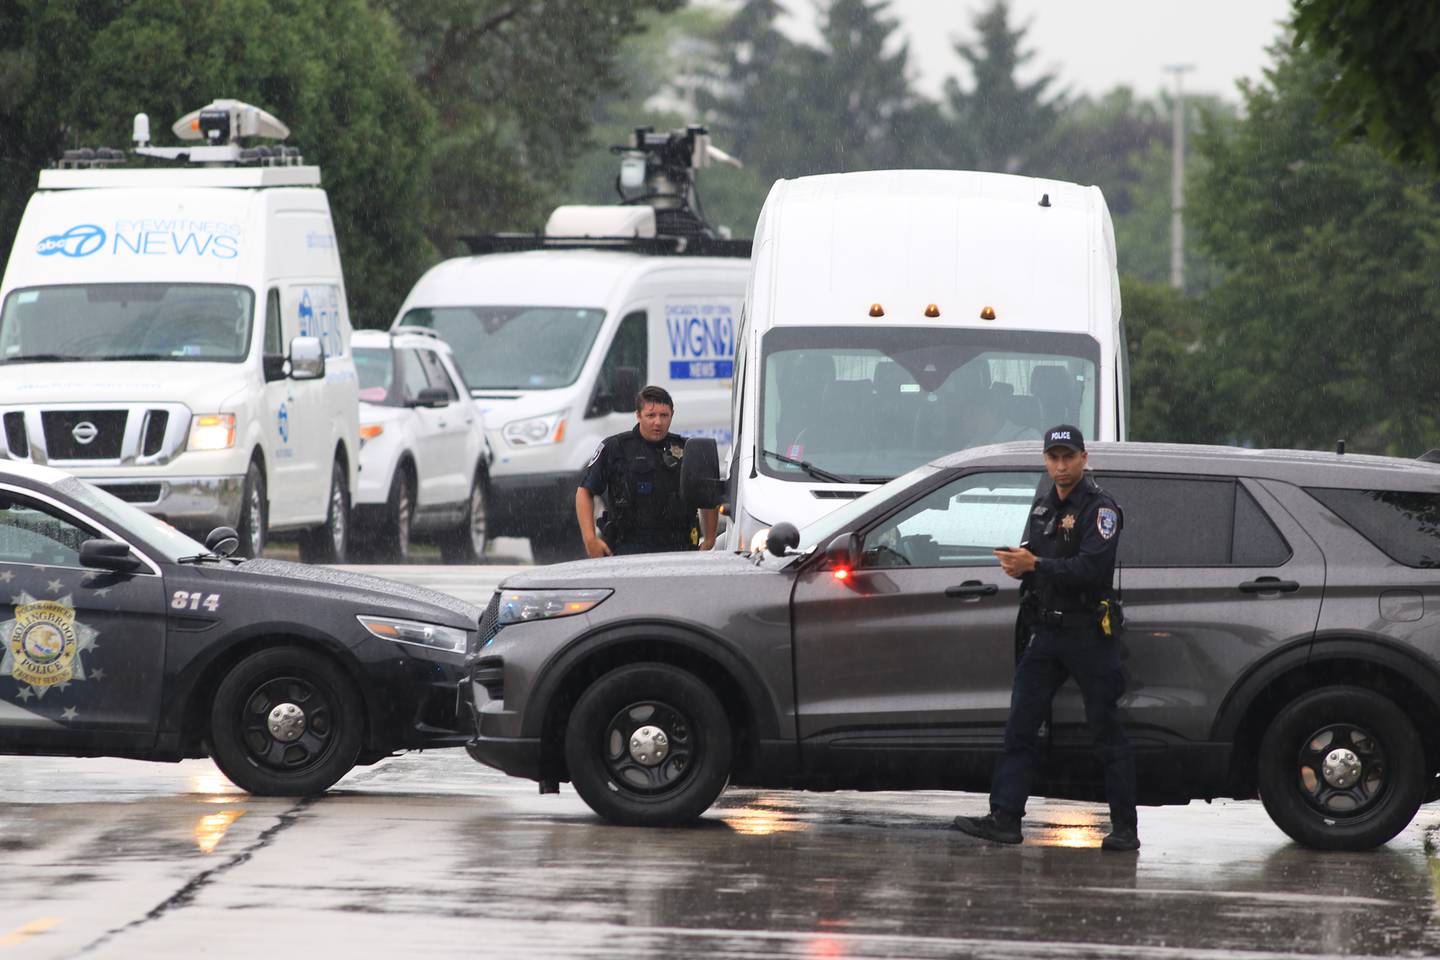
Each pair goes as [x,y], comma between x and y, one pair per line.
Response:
[120,636]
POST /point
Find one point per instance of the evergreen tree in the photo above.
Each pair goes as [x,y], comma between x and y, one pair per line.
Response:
[1001,124]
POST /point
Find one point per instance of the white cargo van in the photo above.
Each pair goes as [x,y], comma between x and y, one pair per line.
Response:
[556,341]
[896,316]
[179,335]
[557,332]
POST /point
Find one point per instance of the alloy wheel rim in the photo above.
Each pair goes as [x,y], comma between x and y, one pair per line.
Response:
[477,520]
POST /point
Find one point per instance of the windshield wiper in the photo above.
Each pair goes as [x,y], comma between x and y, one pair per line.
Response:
[808,467]
[878,480]
[46,358]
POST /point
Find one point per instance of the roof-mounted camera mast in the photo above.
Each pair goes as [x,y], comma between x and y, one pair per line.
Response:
[219,130]
[658,169]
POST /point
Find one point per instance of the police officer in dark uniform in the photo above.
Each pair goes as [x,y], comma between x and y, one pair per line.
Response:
[1068,607]
[638,473]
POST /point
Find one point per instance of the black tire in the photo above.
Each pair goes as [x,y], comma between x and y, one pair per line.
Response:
[330,542]
[254,513]
[393,542]
[1341,768]
[669,783]
[467,542]
[323,747]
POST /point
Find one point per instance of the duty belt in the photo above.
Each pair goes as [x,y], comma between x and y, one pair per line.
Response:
[1065,618]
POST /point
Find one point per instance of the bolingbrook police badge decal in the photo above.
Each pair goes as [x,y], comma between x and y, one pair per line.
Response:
[43,644]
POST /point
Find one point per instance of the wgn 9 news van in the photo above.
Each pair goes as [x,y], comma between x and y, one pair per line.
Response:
[556,333]
[896,316]
[178,334]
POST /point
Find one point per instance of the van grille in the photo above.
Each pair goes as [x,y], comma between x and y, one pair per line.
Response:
[65,430]
[155,423]
[133,492]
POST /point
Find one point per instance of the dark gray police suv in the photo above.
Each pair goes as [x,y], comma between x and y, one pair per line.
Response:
[123,637]
[1282,636]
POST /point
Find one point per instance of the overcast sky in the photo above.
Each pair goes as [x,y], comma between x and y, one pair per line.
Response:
[1095,45]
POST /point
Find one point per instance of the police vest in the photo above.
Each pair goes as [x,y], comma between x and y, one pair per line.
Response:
[643,489]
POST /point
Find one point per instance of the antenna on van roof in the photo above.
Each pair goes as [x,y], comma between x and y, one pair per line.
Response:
[662,167]
[1340,448]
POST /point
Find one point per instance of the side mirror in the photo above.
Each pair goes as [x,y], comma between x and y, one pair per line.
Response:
[108,555]
[782,538]
[432,397]
[222,541]
[624,385]
[700,484]
[307,359]
[843,552]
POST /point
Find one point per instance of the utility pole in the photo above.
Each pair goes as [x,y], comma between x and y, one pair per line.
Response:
[1177,179]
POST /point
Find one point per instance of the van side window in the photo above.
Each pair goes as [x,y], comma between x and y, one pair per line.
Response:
[630,348]
[274,341]
[1192,522]
[435,373]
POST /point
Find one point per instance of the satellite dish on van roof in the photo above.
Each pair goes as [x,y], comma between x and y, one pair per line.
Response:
[224,120]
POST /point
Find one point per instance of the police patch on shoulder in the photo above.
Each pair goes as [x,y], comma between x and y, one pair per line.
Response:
[1106,522]
[599,449]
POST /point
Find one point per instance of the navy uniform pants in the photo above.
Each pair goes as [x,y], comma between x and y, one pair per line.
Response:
[1053,655]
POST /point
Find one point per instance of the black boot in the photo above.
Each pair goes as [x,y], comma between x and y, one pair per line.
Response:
[998,827]
[1122,839]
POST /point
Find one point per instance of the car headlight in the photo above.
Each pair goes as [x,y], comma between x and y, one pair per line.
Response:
[535,431]
[518,606]
[213,431]
[413,632]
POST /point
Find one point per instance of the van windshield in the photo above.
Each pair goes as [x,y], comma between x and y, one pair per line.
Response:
[866,405]
[513,348]
[127,321]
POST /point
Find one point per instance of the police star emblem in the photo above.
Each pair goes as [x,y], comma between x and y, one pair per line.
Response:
[43,644]
[1067,522]
[677,450]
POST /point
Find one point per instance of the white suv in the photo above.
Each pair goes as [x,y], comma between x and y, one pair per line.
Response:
[424,461]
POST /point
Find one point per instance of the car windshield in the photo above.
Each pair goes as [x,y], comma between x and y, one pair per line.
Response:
[868,404]
[170,543]
[127,321]
[824,529]
[514,348]
[376,369]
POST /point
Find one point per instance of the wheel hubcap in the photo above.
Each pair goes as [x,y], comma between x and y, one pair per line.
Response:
[256,522]
[649,745]
[649,749]
[1343,770]
[288,725]
[477,520]
[337,518]
[286,722]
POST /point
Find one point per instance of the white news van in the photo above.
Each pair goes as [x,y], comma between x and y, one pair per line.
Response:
[178,335]
[556,333]
[896,316]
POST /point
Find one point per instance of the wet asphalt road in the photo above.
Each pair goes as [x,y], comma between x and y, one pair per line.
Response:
[431,855]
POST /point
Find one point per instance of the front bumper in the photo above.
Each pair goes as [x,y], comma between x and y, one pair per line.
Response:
[194,504]
[418,700]
[523,503]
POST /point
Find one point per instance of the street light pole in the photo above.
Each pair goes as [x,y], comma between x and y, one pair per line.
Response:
[1177,179]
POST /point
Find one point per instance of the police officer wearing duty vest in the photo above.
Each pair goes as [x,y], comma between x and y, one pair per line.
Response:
[1066,567]
[638,473]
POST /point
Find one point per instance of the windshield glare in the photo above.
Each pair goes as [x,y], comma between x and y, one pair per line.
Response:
[514,348]
[869,404]
[158,535]
[127,321]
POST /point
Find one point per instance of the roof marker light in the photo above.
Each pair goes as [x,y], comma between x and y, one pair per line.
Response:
[876,310]
[987,313]
[931,310]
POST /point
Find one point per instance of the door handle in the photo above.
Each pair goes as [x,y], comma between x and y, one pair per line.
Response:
[972,590]
[1269,585]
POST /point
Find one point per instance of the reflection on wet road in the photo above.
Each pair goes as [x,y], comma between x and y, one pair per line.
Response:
[432,855]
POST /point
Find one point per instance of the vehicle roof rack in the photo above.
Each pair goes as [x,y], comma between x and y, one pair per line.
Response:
[692,246]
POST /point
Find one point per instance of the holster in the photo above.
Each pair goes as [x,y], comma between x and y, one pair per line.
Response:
[1111,616]
[610,530]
